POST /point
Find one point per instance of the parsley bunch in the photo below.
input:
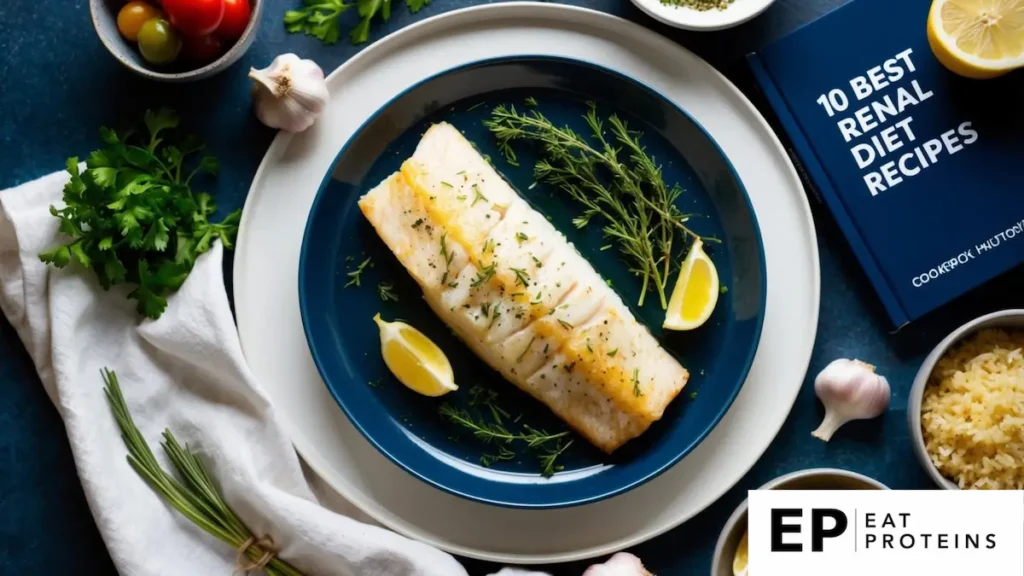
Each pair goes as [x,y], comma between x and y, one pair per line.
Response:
[320,18]
[131,215]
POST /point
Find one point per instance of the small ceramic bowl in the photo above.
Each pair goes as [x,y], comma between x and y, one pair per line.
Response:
[736,13]
[813,479]
[104,20]
[1001,319]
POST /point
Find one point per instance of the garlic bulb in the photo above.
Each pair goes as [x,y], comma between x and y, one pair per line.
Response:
[850,390]
[289,94]
[621,564]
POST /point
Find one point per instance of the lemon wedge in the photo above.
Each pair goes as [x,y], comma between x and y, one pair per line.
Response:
[739,561]
[414,359]
[696,292]
[977,38]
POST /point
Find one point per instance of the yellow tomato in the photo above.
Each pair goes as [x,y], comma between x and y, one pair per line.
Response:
[131,18]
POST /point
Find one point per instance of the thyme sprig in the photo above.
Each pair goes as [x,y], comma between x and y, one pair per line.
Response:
[549,446]
[613,178]
[195,496]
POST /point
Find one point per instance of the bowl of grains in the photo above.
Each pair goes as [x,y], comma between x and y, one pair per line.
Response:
[966,407]
[703,14]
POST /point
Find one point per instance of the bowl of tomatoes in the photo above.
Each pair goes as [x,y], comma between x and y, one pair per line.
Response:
[176,40]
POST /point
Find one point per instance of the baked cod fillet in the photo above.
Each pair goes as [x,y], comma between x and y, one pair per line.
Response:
[519,294]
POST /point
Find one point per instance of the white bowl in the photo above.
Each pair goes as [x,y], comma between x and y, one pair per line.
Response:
[1001,319]
[689,19]
[812,479]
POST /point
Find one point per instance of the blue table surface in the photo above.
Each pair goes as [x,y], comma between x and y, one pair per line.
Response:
[59,84]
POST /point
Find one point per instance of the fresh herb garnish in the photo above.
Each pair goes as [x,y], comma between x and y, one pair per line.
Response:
[386,291]
[550,445]
[484,274]
[637,207]
[447,255]
[480,396]
[357,274]
[193,492]
[520,237]
[446,185]
[693,395]
[612,353]
[521,276]
[132,217]
[478,195]
[525,350]
[321,18]
[636,383]
[417,223]
[565,324]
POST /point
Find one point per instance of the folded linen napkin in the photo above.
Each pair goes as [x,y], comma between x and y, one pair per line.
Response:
[184,372]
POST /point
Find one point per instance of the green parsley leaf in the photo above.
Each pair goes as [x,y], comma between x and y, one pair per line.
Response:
[132,217]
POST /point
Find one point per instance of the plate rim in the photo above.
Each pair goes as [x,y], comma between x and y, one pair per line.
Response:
[567,18]
[748,355]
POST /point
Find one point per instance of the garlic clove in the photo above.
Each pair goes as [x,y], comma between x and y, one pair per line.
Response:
[849,390]
[289,94]
[621,564]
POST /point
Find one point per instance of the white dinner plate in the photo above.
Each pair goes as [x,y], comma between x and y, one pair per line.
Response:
[267,305]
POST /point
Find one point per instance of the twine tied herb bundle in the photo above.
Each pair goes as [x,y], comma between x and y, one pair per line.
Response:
[195,496]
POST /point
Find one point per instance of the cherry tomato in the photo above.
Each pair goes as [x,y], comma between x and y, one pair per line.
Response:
[195,17]
[132,16]
[236,18]
[201,49]
[158,42]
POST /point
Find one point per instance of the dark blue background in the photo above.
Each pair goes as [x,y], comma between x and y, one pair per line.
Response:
[57,85]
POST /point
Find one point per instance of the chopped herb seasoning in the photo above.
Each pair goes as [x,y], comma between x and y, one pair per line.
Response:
[485,308]
[417,223]
[693,395]
[589,348]
[612,353]
[520,237]
[521,276]
[386,291]
[446,185]
[525,350]
[723,290]
[530,101]
[478,195]
[545,348]
[608,282]
[461,197]
[565,324]
[357,274]
[484,275]
[537,299]
[636,383]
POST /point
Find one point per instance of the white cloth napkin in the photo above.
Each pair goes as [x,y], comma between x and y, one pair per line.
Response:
[184,372]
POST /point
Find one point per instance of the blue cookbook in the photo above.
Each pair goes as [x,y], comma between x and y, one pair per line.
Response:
[923,171]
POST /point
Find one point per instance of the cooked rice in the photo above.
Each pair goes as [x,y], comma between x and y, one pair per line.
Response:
[972,414]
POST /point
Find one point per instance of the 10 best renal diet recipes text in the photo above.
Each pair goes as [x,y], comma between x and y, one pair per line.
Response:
[872,145]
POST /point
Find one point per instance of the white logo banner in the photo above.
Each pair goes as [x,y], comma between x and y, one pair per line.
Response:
[883,532]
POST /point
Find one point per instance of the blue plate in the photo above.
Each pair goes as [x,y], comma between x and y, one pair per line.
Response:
[407,427]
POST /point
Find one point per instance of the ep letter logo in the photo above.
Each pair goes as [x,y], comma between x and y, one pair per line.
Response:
[824,523]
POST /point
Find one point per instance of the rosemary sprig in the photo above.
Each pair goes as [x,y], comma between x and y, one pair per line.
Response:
[550,446]
[630,194]
[356,276]
[196,497]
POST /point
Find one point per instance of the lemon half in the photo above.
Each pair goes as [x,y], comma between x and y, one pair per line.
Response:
[414,359]
[696,291]
[740,560]
[977,38]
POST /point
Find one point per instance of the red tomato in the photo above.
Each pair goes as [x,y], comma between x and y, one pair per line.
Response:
[236,18]
[194,17]
[201,49]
